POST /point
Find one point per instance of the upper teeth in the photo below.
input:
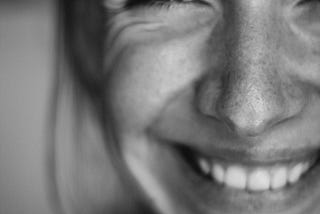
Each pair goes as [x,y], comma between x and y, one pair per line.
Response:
[253,178]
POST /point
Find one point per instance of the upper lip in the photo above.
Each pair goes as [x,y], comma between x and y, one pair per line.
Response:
[285,143]
[261,152]
[254,156]
[275,147]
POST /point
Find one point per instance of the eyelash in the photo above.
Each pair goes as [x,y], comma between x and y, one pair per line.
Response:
[303,2]
[158,3]
[169,3]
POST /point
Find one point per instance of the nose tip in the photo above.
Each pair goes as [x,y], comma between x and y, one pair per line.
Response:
[249,119]
[251,110]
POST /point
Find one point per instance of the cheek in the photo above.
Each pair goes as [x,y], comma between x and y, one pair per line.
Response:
[144,78]
[301,44]
[151,58]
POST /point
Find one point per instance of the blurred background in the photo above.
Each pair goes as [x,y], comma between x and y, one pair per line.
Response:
[27,69]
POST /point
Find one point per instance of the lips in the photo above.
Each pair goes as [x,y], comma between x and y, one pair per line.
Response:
[254,176]
[275,172]
[298,185]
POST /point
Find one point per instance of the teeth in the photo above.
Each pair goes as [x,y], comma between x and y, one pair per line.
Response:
[218,173]
[295,173]
[236,177]
[204,165]
[253,179]
[279,178]
[259,180]
[306,166]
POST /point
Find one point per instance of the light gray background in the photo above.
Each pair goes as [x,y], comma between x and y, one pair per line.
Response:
[26,63]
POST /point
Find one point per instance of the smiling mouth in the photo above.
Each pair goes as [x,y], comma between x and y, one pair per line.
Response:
[251,177]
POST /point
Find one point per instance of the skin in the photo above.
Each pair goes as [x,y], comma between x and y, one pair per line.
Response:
[238,79]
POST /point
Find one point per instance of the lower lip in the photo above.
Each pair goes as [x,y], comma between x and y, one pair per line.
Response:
[292,199]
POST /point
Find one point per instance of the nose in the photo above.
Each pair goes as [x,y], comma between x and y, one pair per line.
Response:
[252,100]
[254,90]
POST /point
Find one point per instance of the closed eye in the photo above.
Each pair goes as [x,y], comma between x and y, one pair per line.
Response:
[303,2]
[160,3]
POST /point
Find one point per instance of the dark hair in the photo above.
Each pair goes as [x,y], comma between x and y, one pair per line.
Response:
[79,103]
[82,23]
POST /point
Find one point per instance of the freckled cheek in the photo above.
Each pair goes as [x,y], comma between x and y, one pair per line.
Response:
[143,79]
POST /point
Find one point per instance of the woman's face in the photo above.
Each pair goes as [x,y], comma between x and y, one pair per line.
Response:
[216,103]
